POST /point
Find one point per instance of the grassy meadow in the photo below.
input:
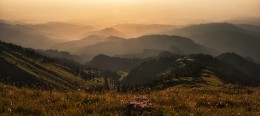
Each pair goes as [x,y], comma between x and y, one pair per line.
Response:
[177,100]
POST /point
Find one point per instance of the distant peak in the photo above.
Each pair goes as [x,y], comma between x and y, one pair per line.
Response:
[230,54]
[92,36]
[109,29]
[100,56]
[223,25]
[115,38]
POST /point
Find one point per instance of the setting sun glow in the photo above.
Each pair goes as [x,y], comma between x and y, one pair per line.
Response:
[108,12]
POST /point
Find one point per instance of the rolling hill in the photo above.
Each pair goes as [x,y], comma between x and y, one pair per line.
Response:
[137,30]
[106,32]
[62,55]
[75,45]
[246,66]
[156,42]
[224,37]
[24,35]
[194,69]
[61,31]
[113,63]
[146,53]
[251,29]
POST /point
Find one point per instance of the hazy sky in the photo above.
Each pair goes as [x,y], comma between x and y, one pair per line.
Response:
[128,11]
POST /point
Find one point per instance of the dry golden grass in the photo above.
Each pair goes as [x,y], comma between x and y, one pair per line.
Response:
[178,100]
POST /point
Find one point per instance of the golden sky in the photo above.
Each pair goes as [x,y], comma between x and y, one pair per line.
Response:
[109,12]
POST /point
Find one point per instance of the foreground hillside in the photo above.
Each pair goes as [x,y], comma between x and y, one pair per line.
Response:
[25,67]
[178,100]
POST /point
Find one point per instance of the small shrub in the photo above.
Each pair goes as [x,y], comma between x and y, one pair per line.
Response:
[90,100]
[27,110]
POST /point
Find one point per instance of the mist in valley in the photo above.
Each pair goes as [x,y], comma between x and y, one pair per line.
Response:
[129,57]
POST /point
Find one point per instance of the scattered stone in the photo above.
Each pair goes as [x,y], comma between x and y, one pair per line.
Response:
[9,110]
[138,104]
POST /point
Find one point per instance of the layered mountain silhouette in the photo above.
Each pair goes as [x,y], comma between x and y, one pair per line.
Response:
[251,21]
[224,37]
[61,31]
[73,46]
[41,35]
[137,45]
[211,54]
[24,35]
[137,30]
[26,67]
[251,29]
[106,32]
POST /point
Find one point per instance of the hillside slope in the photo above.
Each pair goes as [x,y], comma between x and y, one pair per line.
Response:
[113,63]
[242,64]
[25,67]
[191,69]
[20,66]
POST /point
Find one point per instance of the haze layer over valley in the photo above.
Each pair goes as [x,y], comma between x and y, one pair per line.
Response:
[129,57]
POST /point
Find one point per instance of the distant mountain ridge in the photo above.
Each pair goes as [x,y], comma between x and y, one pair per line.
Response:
[61,31]
[24,36]
[137,45]
[73,46]
[224,37]
[106,32]
[137,30]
